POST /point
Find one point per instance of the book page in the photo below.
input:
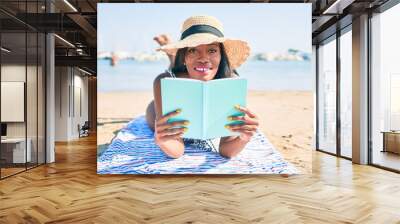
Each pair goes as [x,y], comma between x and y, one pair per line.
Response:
[186,95]
[221,97]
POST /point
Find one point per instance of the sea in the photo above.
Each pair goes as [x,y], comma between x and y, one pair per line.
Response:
[130,75]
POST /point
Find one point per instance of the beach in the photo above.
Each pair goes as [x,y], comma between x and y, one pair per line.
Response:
[286,118]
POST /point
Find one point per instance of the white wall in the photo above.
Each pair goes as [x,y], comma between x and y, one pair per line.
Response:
[70,84]
[12,73]
[33,126]
[81,83]
[62,81]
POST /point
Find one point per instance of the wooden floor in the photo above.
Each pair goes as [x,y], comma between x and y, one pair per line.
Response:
[70,191]
[387,159]
[5,172]
[10,171]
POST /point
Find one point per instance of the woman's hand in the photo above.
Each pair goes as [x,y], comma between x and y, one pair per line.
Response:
[164,131]
[249,126]
[162,39]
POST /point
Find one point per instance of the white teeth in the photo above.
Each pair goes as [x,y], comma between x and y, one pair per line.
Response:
[201,69]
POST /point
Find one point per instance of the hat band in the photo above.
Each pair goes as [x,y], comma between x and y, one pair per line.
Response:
[201,29]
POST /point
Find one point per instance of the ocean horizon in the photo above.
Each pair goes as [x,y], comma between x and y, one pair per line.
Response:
[130,75]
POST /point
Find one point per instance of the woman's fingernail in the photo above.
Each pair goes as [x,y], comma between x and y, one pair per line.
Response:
[178,110]
[230,118]
[237,106]
[186,123]
[185,129]
[227,126]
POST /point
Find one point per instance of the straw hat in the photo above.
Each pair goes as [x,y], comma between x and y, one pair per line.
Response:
[198,30]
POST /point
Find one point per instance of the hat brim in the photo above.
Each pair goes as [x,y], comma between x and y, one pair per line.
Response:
[237,51]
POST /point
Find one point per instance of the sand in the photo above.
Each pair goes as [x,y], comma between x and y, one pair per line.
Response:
[286,118]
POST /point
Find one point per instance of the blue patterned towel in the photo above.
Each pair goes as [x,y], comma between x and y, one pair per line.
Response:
[133,151]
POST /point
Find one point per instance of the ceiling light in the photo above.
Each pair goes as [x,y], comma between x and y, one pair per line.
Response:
[86,72]
[71,6]
[79,51]
[338,6]
[5,49]
[64,40]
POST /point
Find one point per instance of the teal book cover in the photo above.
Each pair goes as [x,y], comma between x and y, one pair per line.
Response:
[205,104]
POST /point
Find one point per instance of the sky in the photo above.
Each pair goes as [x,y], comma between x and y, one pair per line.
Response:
[266,27]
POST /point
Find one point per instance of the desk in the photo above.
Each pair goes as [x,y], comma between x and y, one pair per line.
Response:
[391,141]
[18,151]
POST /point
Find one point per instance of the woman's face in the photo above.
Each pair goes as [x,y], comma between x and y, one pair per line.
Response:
[202,61]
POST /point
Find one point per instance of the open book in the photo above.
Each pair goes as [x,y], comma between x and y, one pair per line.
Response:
[205,104]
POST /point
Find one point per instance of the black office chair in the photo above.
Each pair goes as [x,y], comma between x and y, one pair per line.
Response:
[84,130]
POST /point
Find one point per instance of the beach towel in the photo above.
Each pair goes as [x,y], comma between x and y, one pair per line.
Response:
[133,151]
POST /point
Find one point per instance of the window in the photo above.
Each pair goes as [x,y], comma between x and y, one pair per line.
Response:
[327,97]
[385,88]
[22,80]
[346,94]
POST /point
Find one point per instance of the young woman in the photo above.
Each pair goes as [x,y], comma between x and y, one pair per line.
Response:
[203,53]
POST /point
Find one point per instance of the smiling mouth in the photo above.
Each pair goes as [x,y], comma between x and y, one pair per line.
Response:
[202,69]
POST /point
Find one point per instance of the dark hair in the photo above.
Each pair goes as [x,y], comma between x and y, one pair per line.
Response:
[224,69]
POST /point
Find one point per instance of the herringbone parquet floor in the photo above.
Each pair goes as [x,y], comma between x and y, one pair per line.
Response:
[70,191]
